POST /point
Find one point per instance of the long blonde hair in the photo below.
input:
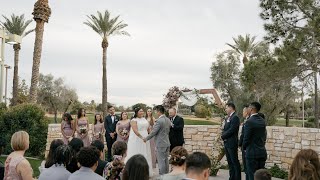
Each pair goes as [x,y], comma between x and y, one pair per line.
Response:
[305,165]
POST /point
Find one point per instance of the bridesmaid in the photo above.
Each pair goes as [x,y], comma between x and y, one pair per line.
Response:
[82,127]
[152,121]
[123,124]
[98,128]
[67,128]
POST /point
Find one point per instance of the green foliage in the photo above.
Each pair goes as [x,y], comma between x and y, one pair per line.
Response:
[23,92]
[201,111]
[17,25]
[27,117]
[278,173]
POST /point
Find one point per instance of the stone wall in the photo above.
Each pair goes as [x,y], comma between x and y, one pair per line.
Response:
[283,143]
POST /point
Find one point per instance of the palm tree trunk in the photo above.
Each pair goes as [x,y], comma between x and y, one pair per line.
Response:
[16,48]
[36,61]
[104,77]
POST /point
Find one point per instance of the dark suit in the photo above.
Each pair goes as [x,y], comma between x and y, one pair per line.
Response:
[110,128]
[230,138]
[242,150]
[254,144]
[176,132]
[100,167]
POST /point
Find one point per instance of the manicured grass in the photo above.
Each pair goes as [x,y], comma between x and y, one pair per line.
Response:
[35,163]
[292,122]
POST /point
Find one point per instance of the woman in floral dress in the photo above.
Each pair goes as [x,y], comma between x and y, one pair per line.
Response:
[113,170]
[123,128]
[82,127]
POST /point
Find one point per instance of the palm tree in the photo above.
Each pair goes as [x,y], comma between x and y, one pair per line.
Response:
[41,14]
[16,25]
[244,46]
[105,26]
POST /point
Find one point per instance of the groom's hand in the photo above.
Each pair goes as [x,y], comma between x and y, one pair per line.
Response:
[144,140]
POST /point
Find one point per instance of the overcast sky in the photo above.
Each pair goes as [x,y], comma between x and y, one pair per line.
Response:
[172,43]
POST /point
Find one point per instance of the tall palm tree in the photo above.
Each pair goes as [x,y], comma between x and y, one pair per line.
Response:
[41,14]
[105,26]
[244,46]
[16,25]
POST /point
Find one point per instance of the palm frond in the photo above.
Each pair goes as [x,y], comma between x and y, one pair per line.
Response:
[16,24]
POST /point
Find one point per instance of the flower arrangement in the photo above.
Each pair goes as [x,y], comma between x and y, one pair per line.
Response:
[124,132]
[171,98]
[83,129]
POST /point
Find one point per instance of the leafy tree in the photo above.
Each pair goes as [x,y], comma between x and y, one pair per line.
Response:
[23,93]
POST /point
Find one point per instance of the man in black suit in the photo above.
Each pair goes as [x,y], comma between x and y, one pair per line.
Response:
[254,141]
[110,126]
[245,115]
[176,131]
[230,138]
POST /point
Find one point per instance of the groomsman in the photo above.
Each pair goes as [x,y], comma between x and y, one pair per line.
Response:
[230,138]
[176,130]
[254,141]
[245,115]
[110,123]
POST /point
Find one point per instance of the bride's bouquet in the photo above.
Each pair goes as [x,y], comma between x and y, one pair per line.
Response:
[83,129]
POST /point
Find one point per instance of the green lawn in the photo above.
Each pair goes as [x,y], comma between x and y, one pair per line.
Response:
[292,122]
[35,163]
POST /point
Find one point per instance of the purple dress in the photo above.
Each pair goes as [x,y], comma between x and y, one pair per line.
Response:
[83,123]
[153,151]
[122,127]
[98,132]
[67,129]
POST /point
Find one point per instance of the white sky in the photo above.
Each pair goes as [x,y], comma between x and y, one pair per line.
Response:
[172,43]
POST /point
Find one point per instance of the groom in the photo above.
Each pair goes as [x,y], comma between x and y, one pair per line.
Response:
[161,132]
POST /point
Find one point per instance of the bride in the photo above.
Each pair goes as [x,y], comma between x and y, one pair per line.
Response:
[139,127]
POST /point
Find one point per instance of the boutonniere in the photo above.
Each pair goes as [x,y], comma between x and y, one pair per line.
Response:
[228,120]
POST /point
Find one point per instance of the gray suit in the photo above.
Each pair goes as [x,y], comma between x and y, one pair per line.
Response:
[161,132]
[85,173]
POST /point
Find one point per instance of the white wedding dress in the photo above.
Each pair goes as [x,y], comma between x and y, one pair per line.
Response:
[136,144]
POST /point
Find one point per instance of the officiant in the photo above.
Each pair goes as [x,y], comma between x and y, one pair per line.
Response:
[176,131]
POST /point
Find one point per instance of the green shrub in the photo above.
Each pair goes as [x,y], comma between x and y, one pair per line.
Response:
[201,111]
[27,117]
[278,173]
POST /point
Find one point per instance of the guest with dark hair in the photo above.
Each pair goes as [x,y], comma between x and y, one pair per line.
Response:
[123,127]
[50,157]
[88,158]
[82,127]
[230,138]
[114,169]
[254,141]
[98,128]
[262,174]
[177,160]
[137,168]
[198,166]
[306,165]
[101,163]
[76,144]
[110,123]
[57,171]
[67,127]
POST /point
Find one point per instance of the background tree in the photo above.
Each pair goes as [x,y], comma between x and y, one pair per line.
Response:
[105,26]
[22,93]
[244,46]
[16,25]
[55,95]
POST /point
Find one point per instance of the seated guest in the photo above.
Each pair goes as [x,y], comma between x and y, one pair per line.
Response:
[50,160]
[198,166]
[57,171]
[305,165]
[177,160]
[262,174]
[16,166]
[113,169]
[137,168]
[76,144]
[101,164]
[88,158]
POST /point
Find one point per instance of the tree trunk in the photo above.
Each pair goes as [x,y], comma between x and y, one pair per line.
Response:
[316,103]
[287,117]
[36,61]
[55,116]
[104,77]
[15,87]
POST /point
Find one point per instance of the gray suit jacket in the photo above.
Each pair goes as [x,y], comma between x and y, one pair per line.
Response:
[161,132]
[85,173]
